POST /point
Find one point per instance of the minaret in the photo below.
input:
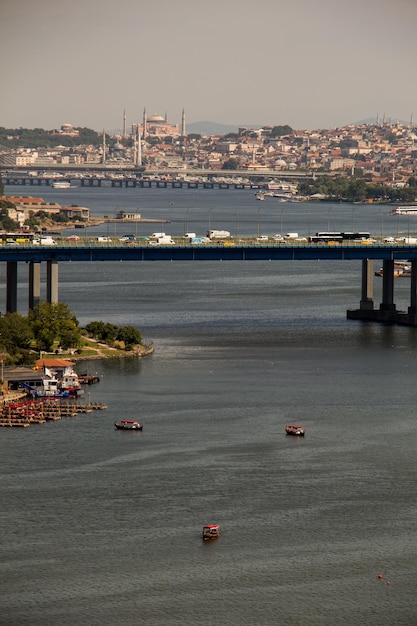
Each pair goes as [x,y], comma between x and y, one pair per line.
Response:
[377,119]
[411,120]
[144,124]
[183,133]
[124,123]
[139,152]
[104,146]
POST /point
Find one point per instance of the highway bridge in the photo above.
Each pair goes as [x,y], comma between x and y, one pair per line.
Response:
[83,251]
[17,175]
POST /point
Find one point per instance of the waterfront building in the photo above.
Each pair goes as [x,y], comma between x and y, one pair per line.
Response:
[66,130]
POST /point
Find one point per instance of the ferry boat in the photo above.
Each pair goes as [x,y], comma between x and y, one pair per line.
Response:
[297,431]
[210,531]
[61,184]
[128,425]
[53,386]
[404,210]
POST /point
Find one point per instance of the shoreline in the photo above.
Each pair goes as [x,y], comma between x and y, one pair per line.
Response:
[139,352]
[102,353]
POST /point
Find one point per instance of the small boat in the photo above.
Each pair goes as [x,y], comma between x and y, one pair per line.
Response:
[401,269]
[128,425]
[211,531]
[298,431]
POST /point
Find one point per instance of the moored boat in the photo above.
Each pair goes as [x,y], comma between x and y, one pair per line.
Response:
[210,531]
[404,210]
[292,429]
[54,384]
[401,269]
[128,425]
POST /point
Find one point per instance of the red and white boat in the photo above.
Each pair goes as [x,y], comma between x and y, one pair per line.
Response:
[210,531]
[292,429]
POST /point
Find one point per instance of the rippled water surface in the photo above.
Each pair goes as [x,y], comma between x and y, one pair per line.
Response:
[103,527]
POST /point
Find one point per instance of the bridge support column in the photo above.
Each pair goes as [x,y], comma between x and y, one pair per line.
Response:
[387,306]
[412,309]
[11,297]
[34,284]
[367,302]
[52,281]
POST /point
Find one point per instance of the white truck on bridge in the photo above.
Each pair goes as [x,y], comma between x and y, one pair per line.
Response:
[218,234]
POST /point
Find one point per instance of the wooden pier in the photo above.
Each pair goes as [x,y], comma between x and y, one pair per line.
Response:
[23,413]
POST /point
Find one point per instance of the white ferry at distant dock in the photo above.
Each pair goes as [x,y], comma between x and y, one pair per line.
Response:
[404,210]
[61,184]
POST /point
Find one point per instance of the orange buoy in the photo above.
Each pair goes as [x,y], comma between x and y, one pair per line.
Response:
[379,576]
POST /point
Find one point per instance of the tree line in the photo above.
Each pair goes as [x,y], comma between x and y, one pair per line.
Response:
[357,189]
[53,327]
[40,138]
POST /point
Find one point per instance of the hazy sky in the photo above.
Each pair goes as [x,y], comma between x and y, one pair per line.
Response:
[306,63]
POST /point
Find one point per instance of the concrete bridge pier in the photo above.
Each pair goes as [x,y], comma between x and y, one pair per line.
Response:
[367,302]
[387,310]
[34,284]
[387,307]
[412,309]
[11,288]
[52,281]
[366,308]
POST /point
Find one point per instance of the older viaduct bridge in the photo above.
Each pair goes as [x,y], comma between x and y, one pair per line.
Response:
[33,256]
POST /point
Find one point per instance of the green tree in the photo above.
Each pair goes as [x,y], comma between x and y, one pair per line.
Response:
[15,332]
[109,332]
[32,221]
[231,164]
[6,223]
[54,322]
[95,329]
[280,131]
[129,335]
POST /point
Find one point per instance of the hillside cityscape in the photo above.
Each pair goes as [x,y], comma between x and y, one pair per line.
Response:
[380,153]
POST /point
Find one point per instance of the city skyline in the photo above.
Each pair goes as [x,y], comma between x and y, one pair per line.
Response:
[305,63]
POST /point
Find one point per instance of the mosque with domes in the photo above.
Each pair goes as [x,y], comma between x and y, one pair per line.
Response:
[158,126]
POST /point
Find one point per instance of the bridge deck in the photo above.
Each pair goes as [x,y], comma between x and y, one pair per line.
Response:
[208,252]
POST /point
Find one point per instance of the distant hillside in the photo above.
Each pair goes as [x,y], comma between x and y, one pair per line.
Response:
[211,128]
[373,120]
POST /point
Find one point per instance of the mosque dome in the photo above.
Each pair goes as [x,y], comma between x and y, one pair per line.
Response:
[281,163]
[156,119]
